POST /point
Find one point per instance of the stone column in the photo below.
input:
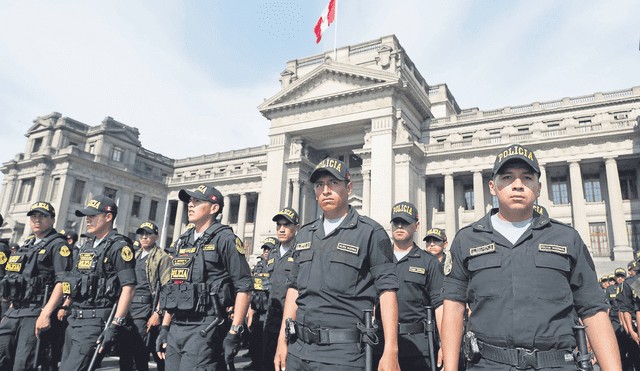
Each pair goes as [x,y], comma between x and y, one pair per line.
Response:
[382,167]
[366,192]
[273,180]
[621,249]
[577,201]
[177,228]
[422,212]
[305,203]
[295,202]
[226,210]
[287,194]
[543,200]
[449,207]
[165,222]
[478,195]
[242,216]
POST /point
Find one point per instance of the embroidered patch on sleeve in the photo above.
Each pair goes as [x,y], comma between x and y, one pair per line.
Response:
[126,254]
[3,258]
[239,246]
[448,263]
[64,251]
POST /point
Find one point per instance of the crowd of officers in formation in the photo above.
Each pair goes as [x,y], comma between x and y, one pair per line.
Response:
[512,290]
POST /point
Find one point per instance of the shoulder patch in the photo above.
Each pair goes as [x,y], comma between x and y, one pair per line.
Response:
[417,270]
[239,246]
[271,261]
[126,254]
[303,246]
[64,251]
[3,257]
[482,249]
[552,248]
[348,248]
[42,251]
[448,263]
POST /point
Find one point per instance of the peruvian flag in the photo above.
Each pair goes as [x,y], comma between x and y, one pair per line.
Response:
[327,17]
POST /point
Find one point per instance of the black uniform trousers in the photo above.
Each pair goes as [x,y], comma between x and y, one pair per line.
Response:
[80,343]
[297,364]
[255,339]
[134,355]
[17,343]
[269,346]
[188,351]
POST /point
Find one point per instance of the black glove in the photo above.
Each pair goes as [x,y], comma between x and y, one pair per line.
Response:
[231,345]
[110,337]
[162,339]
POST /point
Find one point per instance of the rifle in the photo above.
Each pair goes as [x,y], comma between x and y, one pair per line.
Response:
[582,355]
[430,337]
[153,308]
[101,337]
[45,299]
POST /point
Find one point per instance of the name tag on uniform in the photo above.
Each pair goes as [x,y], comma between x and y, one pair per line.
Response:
[552,248]
[482,249]
[209,247]
[303,246]
[348,248]
[289,259]
[271,261]
[13,259]
[417,270]
[188,251]
[43,251]
[66,288]
[180,273]
[86,259]
[13,267]
[180,262]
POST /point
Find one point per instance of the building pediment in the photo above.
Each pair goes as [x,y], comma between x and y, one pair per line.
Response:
[328,81]
[119,130]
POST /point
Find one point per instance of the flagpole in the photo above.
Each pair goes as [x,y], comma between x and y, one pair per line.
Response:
[335,39]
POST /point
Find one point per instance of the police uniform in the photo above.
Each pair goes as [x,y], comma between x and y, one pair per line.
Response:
[337,276]
[30,273]
[629,350]
[212,264]
[259,302]
[5,251]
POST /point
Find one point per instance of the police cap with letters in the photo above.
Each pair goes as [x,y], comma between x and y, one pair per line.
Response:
[541,210]
[332,166]
[42,207]
[269,243]
[148,227]
[436,233]
[203,192]
[620,272]
[287,213]
[405,211]
[516,152]
[98,205]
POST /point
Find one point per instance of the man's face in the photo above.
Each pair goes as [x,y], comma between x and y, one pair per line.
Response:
[402,230]
[286,230]
[201,210]
[40,223]
[332,195]
[98,224]
[516,188]
[265,253]
[148,239]
[435,246]
[604,284]
[70,241]
[619,279]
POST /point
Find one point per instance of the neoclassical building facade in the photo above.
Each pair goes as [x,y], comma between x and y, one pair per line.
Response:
[402,138]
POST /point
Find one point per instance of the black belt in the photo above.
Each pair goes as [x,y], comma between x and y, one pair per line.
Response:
[411,328]
[142,299]
[522,358]
[90,313]
[327,336]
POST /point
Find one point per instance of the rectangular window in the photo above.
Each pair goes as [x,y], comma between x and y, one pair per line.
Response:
[440,195]
[133,236]
[117,153]
[36,145]
[523,130]
[135,207]
[153,209]
[54,189]
[599,241]
[251,210]
[441,140]
[559,190]
[78,191]
[584,122]
[354,161]
[92,148]
[553,126]
[173,211]
[592,188]
[495,136]
[628,184]
[467,137]
[233,212]
[110,192]
[26,190]
[633,231]
[468,197]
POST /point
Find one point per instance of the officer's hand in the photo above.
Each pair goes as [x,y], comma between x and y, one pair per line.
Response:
[280,361]
[231,345]
[635,337]
[389,362]
[153,321]
[110,337]
[62,313]
[161,342]
[42,323]
[439,364]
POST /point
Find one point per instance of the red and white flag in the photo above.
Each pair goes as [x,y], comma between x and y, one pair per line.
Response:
[327,17]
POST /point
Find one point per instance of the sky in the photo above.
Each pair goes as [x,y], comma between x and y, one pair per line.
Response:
[191,74]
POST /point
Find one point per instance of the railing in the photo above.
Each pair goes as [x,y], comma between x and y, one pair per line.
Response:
[552,104]
[618,94]
[624,124]
[518,137]
[494,112]
[524,108]
[588,128]
[311,62]
[365,48]
[584,99]
[464,143]
[554,133]
[433,91]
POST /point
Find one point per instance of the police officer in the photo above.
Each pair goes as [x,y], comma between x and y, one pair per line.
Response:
[208,273]
[5,251]
[72,239]
[30,281]
[258,308]
[614,292]
[629,343]
[103,276]
[152,272]
[279,263]
[604,282]
[437,243]
[420,278]
[342,263]
[523,276]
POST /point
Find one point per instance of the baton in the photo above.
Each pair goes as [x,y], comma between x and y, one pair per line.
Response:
[153,308]
[217,312]
[368,350]
[101,337]
[44,302]
[430,329]
[583,357]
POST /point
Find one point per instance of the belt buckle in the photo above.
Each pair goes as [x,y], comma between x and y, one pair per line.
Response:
[313,336]
[526,358]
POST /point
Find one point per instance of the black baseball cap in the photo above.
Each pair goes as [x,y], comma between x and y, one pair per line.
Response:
[620,272]
[269,243]
[203,192]
[70,235]
[42,207]
[287,213]
[147,227]
[516,152]
[612,277]
[633,266]
[98,205]
[436,233]
[332,166]
[604,279]
[541,210]
[405,211]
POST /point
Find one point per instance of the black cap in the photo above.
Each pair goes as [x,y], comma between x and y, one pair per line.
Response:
[42,207]
[436,233]
[516,152]
[203,192]
[620,272]
[633,266]
[70,235]
[405,211]
[147,227]
[98,205]
[287,213]
[637,256]
[611,277]
[540,210]
[14,245]
[1,220]
[332,166]
[604,279]
[269,243]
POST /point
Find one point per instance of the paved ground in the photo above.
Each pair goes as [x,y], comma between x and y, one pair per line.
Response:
[111,363]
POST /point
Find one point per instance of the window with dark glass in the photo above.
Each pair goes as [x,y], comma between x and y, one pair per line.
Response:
[468,197]
[110,192]
[78,191]
[599,240]
[592,191]
[135,207]
[628,184]
[37,143]
[559,190]
[153,209]
[440,195]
